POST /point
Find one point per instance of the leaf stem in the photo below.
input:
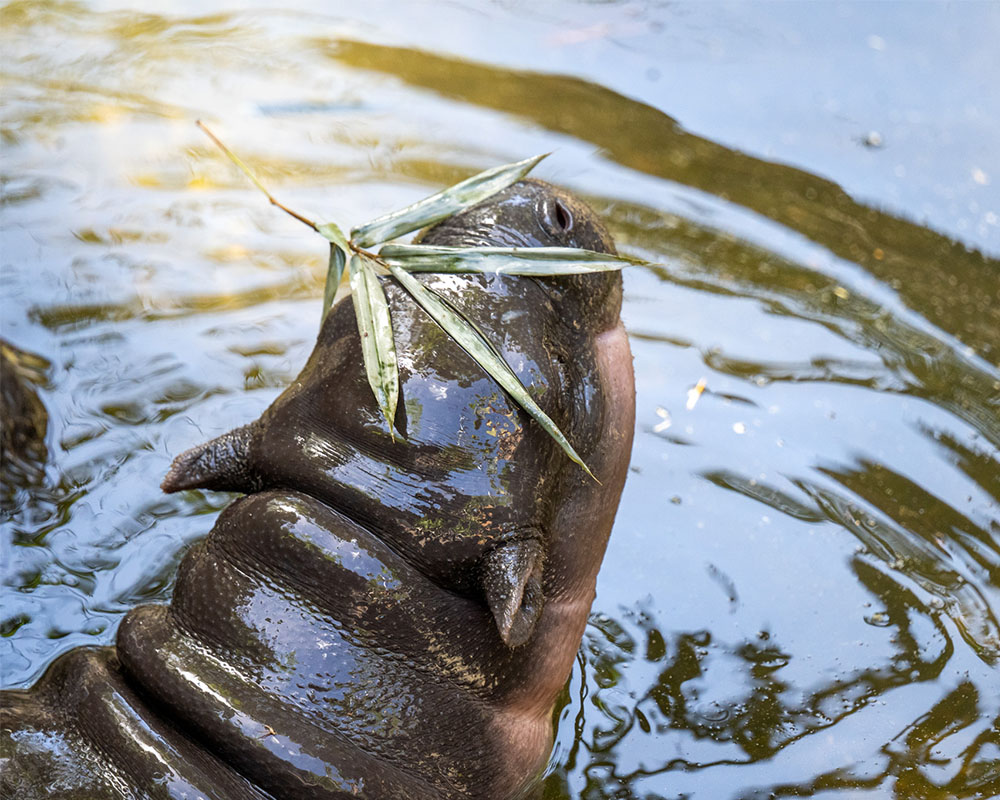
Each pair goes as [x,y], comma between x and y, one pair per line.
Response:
[256,181]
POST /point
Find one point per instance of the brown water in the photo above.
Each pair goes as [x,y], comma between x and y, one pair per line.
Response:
[801,593]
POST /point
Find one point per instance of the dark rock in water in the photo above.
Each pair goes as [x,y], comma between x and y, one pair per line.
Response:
[383,615]
[23,419]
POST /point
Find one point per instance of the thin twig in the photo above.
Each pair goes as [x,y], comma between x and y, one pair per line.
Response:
[249,173]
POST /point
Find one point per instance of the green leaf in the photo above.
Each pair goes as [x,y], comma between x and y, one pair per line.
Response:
[463,331]
[333,275]
[332,233]
[443,204]
[531,261]
[375,328]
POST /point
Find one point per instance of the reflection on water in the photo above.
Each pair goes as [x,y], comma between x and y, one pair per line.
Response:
[730,708]
[801,594]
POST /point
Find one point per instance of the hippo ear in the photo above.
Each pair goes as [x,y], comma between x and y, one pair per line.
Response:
[512,578]
[222,464]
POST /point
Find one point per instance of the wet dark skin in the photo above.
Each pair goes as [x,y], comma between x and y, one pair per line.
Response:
[385,614]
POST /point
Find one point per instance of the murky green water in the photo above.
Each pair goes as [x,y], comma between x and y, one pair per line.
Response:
[800,597]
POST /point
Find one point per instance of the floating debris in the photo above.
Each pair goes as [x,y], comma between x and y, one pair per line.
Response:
[873,139]
[694,393]
[665,421]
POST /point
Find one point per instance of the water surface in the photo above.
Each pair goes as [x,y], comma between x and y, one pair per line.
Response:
[800,596]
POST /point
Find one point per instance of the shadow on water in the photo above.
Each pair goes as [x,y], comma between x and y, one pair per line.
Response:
[901,254]
[916,359]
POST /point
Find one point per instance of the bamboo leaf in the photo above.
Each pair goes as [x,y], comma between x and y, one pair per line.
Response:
[333,234]
[334,273]
[476,345]
[530,261]
[443,204]
[375,328]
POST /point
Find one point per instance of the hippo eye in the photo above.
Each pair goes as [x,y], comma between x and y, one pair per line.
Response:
[558,218]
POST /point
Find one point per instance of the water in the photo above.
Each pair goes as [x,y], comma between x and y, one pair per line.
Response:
[800,596]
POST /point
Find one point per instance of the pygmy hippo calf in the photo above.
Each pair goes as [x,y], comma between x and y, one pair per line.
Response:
[386,613]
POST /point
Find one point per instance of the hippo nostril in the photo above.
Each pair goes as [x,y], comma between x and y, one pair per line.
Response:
[556,217]
[563,217]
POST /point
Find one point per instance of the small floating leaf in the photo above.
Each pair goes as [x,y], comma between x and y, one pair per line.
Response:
[333,275]
[375,328]
[530,261]
[471,339]
[443,204]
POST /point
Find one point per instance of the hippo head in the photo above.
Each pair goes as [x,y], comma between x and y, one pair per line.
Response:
[466,487]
